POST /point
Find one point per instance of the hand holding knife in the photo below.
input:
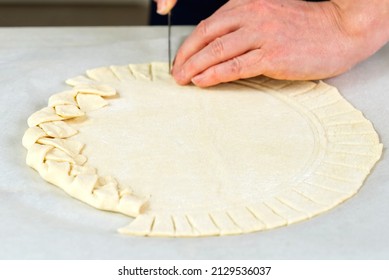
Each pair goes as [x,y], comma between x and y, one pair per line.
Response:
[164,7]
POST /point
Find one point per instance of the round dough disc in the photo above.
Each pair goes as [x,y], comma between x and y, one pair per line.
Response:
[235,158]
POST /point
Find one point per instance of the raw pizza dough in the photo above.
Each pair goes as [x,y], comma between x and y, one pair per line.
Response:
[236,158]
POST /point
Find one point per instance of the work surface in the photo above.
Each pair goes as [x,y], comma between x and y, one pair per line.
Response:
[39,221]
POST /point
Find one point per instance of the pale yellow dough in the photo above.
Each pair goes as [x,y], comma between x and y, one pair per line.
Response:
[236,158]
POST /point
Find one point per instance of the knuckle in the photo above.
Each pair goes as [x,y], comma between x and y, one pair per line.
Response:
[236,66]
[202,28]
[215,75]
[257,56]
[217,47]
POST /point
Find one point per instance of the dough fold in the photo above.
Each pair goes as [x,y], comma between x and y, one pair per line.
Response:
[59,160]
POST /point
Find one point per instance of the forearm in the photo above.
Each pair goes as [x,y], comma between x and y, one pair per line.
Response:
[365,21]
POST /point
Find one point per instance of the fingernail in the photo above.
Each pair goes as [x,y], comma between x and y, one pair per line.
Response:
[161,7]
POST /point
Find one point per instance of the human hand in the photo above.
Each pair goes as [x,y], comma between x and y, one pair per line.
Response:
[281,39]
[165,6]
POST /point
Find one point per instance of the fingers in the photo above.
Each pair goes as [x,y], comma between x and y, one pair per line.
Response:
[222,48]
[219,50]
[207,31]
[165,6]
[245,66]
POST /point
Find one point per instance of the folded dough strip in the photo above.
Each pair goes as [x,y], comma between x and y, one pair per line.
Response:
[57,173]
[104,90]
[36,156]
[63,98]
[59,160]
[90,102]
[68,111]
[82,169]
[58,129]
[107,195]
[71,147]
[80,80]
[81,186]
[82,84]
[32,135]
[60,156]
[47,114]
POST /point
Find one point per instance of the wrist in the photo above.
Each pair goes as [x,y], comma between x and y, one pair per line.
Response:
[366,23]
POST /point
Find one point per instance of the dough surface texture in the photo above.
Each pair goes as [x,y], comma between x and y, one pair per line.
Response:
[246,156]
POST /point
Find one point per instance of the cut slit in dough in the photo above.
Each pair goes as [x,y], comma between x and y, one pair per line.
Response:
[240,157]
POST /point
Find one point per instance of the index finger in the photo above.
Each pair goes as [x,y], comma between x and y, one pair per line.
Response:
[208,30]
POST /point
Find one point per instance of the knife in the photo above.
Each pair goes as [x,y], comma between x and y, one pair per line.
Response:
[169,28]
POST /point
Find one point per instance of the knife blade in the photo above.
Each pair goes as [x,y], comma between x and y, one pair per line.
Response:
[169,23]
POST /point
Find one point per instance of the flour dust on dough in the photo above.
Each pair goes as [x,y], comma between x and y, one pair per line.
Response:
[235,158]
